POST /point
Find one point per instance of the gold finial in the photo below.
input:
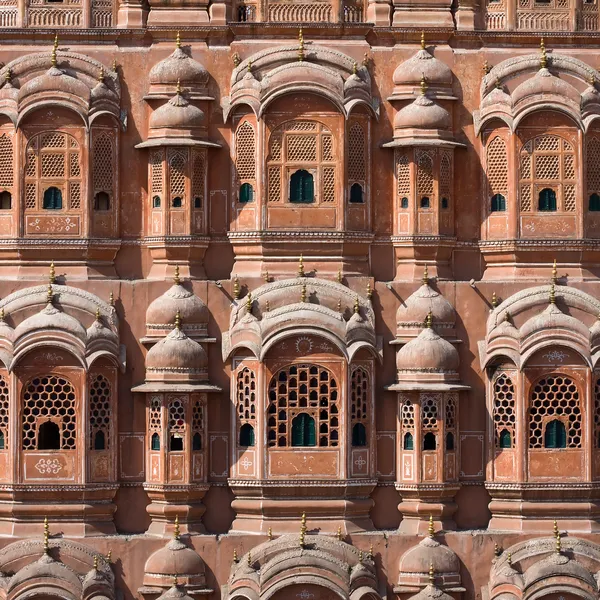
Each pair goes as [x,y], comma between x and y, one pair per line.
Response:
[101,75]
[301,266]
[249,559]
[425,279]
[507,317]
[552,294]
[302,539]
[270,534]
[591,79]
[431,574]
[111,299]
[267,306]
[356,306]
[370,554]
[55,44]
[176,531]
[339,306]
[114,65]
[53,60]
[494,300]
[303,293]
[176,279]
[266,277]
[2,314]
[554,273]
[178,88]
[175,580]
[178,320]
[49,294]
[109,556]
[360,556]
[235,556]
[339,533]
[423,85]
[303,522]
[497,83]
[46,536]
[95,562]
[8,74]
[178,41]
[428,320]
[543,56]
[509,558]
[430,527]
[236,59]
[236,287]
[249,302]
[52,276]
[339,276]
[558,545]
[354,68]
[497,550]
[555,531]
[365,60]
[249,67]
[369,290]
[300,45]
[486,67]
[422,40]
[98,315]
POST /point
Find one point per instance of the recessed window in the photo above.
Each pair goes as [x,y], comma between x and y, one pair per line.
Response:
[409,442]
[246,435]
[505,440]
[101,201]
[49,436]
[449,442]
[197,202]
[5,201]
[303,430]
[498,203]
[359,435]
[246,193]
[156,202]
[429,441]
[53,199]
[547,200]
[176,443]
[404,202]
[555,435]
[155,442]
[424,202]
[2,440]
[594,203]
[356,194]
[176,202]
[302,187]
[99,441]
[445,203]
[197,442]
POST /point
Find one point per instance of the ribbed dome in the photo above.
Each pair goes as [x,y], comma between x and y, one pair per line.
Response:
[353,82]
[175,593]
[423,113]
[423,301]
[428,352]
[422,64]
[46,568]
[178,67]
[55,80]
[175,558]
[545,83]
[98,331]
[51,318]
[177,113]
[559,565]
[102,92]
[495,97]
[553,318]
[429,552]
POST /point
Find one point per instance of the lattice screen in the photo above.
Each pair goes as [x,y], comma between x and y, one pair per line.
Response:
[504,408]
[402,174]
[593,165]
[304,388]
[246,397]
[176,415]
[450,410]
[597,414]
[156,171]
[176,165]
[424,174]
[359,397]
[4,411]
[445,174]
[430,411]
[356,154]
[100,410]
[198,420]
[155,416]
[245,152]
[497,167]
[104,166]
[6,161]
[198,174]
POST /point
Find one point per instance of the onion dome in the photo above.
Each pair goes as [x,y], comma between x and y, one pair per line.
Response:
[594,331]
[545,83]
[101,92]
[553,318]
[356,324]
[97,331]
[177,114]
[45,568]
[178,66]
[422,64]
[8,90]
[176,357]
[423,113]
[175,592]
[161,312]
[590,95]
[495,97]
[558,565]
[174,558]
[504,329]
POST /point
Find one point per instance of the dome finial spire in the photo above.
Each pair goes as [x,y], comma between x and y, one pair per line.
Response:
[46,536]
[178,320]
[494,300]
[300,45]
[176,531]
[431,528]
[431,574]
[423,45]
[178,88]
[53,53]
[554,273]
[178,40]
[49,294]
[356,306]
[543,56]
[428,320]
[301,266]
[52,274]
[236,288]
[249,302]
[423,84]
[552,294]
[176,279]
[425,279]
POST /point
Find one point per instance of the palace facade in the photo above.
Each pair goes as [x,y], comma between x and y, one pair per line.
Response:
[299,299]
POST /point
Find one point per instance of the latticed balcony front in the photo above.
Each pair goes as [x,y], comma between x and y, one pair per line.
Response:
[305,11]
[60,14]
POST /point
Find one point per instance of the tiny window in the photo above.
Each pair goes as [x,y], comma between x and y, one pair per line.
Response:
[176,443]
[359,435]
[555,435]
[449,441]
[303,430]
[52,199]
[547,200]
[246,193]
[498,203]
[246,435]
[302,187]
[356,194]
[404,202]
[5,201]
[424,202]
[429,441]
[101,201]
[176,202]
[409,443]
[155,442]
[99,441]
[1,440]
[156,202]
[197,442]
[48,436]
[445,203]
[594,203]
[197,202]
[505,440]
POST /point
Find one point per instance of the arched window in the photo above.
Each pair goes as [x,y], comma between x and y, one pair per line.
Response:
[409,443]
[505,439]
[100,413]
[2,443]
[359,435]
[197,202]
[245,155]
[197,442]
[48,436]
[5,201]
[198,407]
[594,203]
[176,424]
[404,202]
[156,202]
[246,435]
[176,202]
[424,203]
[303,430]
[53,199]
[555,435]
[445,203]
[246,193]
[498,203]
[101,201]
[99,441]
[429,441]
[314,390]
[155,442]
[449,441]
[547,200]
[356,194]
[302,187]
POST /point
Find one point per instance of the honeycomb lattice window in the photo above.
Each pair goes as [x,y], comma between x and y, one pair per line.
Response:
[450,410]
[4,414]
[246,396]
[156,171]
[593,165]
[356,154]
[503,411]
[7,161]
[430,411]
[100,411]
[308,389]
[103,163]
[297,145]
[597,414]
[424,174]
[497,167]
[245,152]
[402,174]
[547,161]
[177,167]
[49,398]
[53,159]
[359,397]
[176,415]
[407,415]
[445,175]
[555,397]
[198,175]
[198,422]
[155,415]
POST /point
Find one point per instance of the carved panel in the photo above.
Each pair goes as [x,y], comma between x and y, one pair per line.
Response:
[45,466]
[303,463]
[48,225]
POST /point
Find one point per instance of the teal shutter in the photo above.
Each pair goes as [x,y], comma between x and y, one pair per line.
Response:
[298,430]
[594,203]
[547,200]
[310,434]
[498,203]
[155,443]
[308,187]
[53,199]
[359,435]
[409,443]
[246,435]
[303,430]
[561,435]
[555,435]
[246,193]
[505,439]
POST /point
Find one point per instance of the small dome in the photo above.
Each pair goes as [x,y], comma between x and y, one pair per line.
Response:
[102,92]
[55,80]
[545,83]
[431,592]
[46,568]
[178,67]
[177,355]
[177,558]
[559,565]
[422,64]
[354,82]
[51,318]
[177,113]
[553,318]
[428,353]
[9,91]
[423,113]
[175,592]
[429,552]
[98,331]
[590,96]
[423,301]
[495,97]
